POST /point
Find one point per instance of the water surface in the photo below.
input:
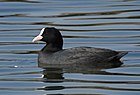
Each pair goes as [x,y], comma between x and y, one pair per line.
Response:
[112,24]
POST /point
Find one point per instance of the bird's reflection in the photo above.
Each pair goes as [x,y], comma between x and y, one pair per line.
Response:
[55,71]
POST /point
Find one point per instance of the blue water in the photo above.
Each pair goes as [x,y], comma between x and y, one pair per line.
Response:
[112,24]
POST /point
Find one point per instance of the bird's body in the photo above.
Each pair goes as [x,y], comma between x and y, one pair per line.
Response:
[53,53]
[80,55]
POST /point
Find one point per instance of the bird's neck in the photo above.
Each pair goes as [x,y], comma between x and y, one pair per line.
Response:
[50,48]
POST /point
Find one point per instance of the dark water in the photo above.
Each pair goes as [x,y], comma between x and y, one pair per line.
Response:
[113,24]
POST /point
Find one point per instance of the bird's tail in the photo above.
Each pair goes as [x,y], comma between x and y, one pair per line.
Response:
[118,56]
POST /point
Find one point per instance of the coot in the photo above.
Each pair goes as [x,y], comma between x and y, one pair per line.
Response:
[53,52]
